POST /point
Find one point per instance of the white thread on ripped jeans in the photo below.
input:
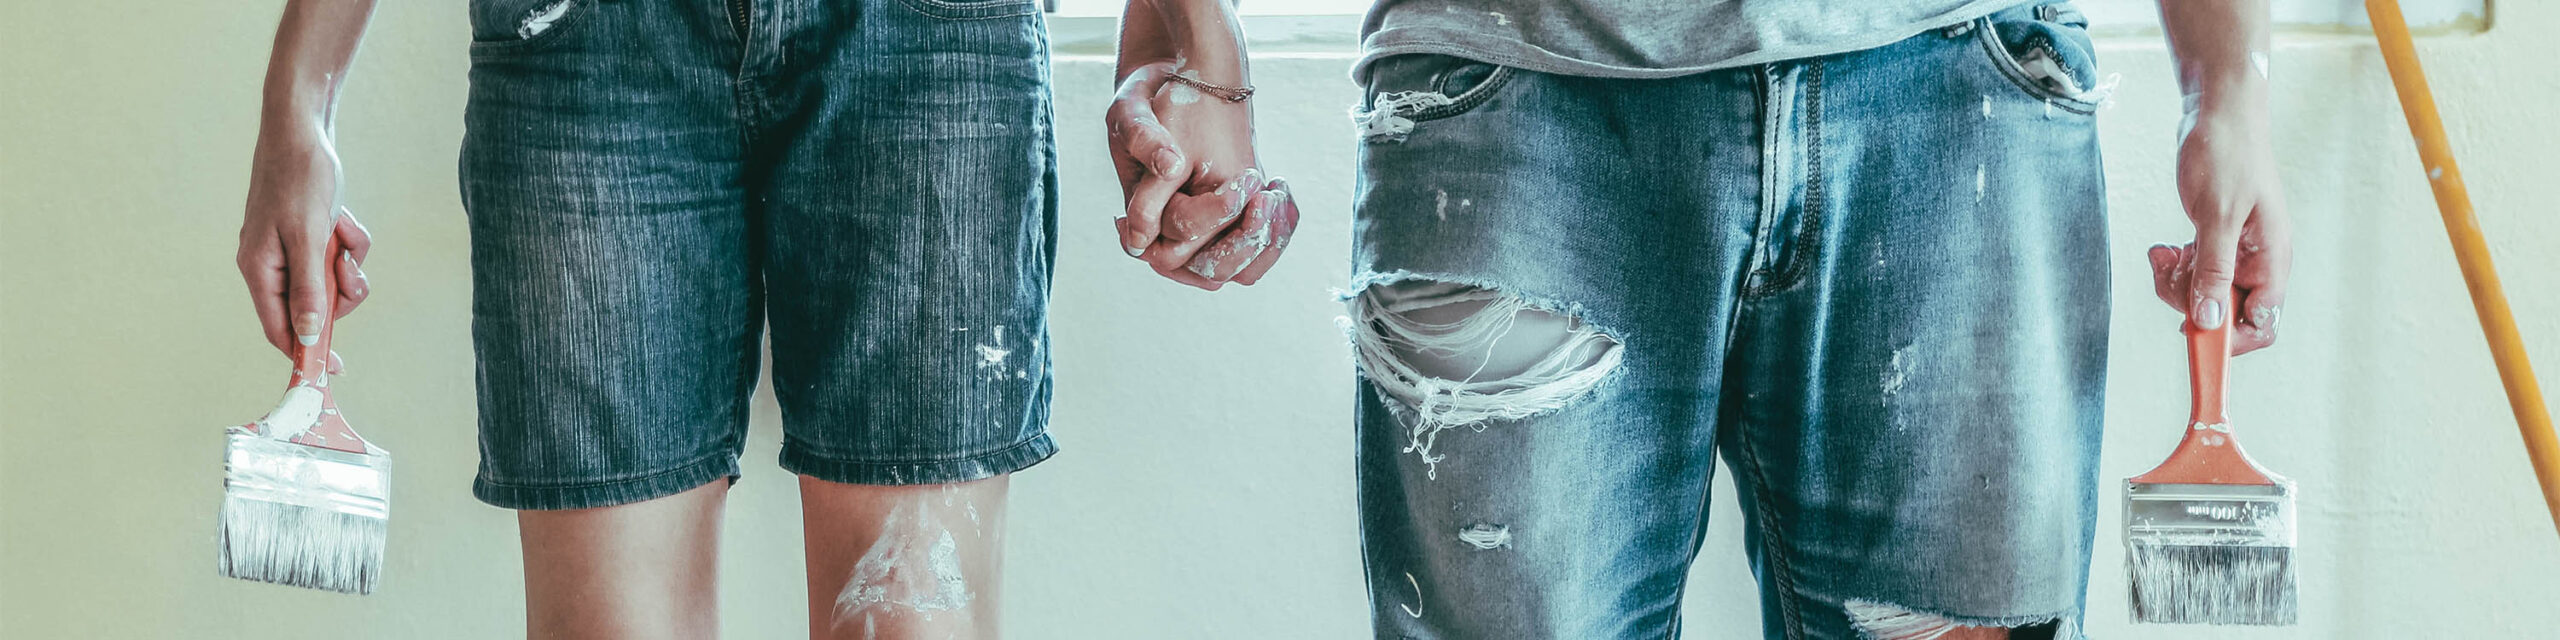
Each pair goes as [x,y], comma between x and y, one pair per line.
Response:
[1382,331]
[1880,621]
[1385,120]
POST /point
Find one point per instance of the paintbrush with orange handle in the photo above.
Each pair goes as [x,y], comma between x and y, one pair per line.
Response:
[2209,534]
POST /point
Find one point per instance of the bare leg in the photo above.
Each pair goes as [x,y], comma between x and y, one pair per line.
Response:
[637,571]
[903,562]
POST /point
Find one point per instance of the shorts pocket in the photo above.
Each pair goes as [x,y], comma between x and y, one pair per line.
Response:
[1410,89]
[973,9]
[2045,52]
[503,26]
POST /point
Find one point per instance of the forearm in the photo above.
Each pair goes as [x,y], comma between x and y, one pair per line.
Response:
[315,44]
[2220,48]
[1202,34]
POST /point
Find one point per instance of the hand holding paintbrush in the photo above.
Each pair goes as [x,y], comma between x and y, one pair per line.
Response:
[305,500]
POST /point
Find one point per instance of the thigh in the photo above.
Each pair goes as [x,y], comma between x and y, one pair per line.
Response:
[613,303]
[1921,425]
[909,212]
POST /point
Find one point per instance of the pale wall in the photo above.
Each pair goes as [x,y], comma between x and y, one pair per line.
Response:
[1205,491]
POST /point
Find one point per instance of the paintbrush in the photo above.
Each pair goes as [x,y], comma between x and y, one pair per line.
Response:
[305,502]
[2209,534]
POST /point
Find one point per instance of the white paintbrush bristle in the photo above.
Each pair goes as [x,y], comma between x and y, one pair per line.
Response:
[300,546]
[2188,584]
[303,516]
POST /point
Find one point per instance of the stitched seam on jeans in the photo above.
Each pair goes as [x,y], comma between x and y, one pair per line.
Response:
[1772,535]
[2007,65]
[1765,93]
[812,452]
[688,465]
[1808,237]
[1469,99]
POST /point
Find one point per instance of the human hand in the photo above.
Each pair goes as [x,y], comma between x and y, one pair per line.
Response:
[285,234]
[2242,254]
[1199,209]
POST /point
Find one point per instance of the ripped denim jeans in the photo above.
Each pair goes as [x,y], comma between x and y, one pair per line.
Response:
[1873,283]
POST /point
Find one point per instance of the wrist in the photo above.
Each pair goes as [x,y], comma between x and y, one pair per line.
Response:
[1207,41]
[2225,90]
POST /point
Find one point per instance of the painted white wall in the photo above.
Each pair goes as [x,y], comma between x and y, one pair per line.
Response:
[1205,491]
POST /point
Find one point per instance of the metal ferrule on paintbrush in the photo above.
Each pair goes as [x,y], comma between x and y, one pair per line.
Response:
[2209,534]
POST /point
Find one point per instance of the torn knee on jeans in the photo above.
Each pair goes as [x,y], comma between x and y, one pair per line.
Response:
[1880,621]
[1450,355]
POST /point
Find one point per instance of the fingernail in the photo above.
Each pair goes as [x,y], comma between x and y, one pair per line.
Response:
[1164,161]
[306,328]
[1135,250]
[2209,314]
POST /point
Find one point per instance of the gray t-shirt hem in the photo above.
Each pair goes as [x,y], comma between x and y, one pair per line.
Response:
[1520,54]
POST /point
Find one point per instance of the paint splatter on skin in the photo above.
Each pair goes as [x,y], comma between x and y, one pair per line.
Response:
[1440,204]
[914,565]
[1981,180]
[1182,93]
[1486,536]
[1499,19]
[1986,107]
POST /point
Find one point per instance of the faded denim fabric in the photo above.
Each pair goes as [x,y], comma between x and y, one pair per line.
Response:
[1874,282]
[650,184]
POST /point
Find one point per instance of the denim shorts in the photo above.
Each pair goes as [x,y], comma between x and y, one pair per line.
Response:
[1874,283]
[652,184]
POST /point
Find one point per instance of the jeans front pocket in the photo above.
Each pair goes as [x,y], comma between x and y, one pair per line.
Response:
[1410,89]
[2045,50]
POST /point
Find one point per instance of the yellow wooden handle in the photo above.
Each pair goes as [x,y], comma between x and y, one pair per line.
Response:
[2496,321]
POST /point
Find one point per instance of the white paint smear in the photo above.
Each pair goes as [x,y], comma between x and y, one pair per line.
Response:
[296,413]
[890,573]
[1486,536]
[540,19]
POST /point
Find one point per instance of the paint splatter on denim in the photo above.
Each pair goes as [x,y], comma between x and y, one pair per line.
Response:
[1875,283]
[651,185]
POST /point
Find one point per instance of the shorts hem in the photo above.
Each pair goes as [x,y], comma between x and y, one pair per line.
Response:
[606,494]
[797,458]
